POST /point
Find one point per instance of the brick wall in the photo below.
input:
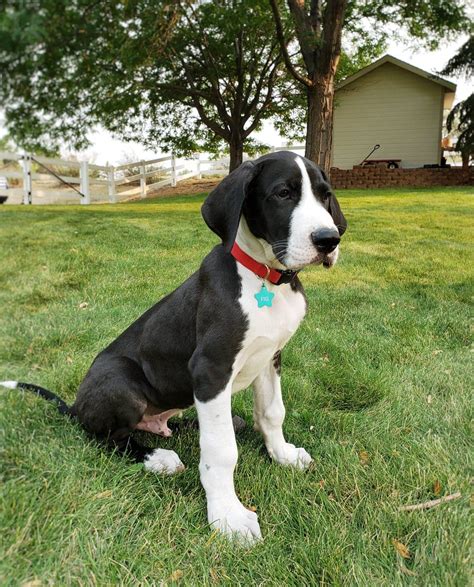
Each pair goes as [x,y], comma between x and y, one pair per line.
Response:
[379,177]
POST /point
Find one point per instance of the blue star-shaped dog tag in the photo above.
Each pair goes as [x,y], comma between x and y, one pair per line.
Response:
[264,297]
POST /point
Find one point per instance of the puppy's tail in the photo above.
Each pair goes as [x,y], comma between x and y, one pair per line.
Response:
[125,446]
[62,406]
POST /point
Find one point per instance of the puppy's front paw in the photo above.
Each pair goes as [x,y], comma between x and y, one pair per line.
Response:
[288,454]
[234,521]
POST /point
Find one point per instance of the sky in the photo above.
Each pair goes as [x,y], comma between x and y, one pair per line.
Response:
[105,149]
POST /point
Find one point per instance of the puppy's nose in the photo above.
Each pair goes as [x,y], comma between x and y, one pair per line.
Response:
[325,239]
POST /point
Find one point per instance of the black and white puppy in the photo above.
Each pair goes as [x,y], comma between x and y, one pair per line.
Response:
[212,336]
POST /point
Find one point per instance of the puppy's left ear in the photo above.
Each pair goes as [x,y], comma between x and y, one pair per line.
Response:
[334,209]
[223,206]
[337,215]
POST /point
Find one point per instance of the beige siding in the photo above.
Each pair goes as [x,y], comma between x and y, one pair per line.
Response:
[393,107]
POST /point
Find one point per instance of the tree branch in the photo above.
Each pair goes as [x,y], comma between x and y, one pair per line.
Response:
[283,44]
[214,97]
[304,32]
[186,90]
[222,132]
[333,21]
[429,504]
[240,74]
[194,102]
[266,102]
[212,124]
[262,71]
[251,107]
[316,17]
[220,103]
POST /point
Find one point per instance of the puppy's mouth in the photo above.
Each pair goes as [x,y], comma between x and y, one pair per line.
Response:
[327,260]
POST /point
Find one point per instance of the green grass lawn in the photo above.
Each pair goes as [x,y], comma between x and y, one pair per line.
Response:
[377,384]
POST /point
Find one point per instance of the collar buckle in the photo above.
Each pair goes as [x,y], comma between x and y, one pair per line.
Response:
[287,275]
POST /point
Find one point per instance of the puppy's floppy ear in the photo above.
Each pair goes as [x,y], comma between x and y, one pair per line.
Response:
[334,209]
[337,215]
[223,206]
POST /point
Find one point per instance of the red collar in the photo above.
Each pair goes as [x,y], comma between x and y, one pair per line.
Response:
[273,275]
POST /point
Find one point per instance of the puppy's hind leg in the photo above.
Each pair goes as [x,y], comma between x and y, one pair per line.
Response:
[111,402]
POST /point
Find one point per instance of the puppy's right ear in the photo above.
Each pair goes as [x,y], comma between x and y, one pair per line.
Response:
[223,206]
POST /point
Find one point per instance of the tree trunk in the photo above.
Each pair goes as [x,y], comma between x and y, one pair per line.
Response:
[319,123]
[465,156]
[319,37]
[236,147]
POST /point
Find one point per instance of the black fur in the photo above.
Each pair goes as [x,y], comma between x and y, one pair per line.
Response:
[223,207]
[62,406]
[277,362]
[176,350]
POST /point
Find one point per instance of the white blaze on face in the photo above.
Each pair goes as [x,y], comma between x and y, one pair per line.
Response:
[308,216]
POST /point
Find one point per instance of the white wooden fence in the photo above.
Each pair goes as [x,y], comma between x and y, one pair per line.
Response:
[46,180]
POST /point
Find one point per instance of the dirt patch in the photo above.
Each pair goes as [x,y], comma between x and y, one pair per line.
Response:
[188,187]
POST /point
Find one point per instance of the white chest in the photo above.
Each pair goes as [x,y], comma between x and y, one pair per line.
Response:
[269,328]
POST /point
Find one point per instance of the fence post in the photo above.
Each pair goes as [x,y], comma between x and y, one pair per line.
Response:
[85,182]
[173,170]
[199,173]
[27,184]
[111,184]
[142,180]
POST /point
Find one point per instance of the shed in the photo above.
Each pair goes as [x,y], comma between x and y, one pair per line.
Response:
[393,104]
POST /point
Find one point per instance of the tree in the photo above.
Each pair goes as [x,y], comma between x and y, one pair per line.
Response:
[224,62]
[319,28]
[182,74]
[461,117]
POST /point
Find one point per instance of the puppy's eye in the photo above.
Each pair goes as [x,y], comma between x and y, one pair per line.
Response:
[327,195]
[283,194]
